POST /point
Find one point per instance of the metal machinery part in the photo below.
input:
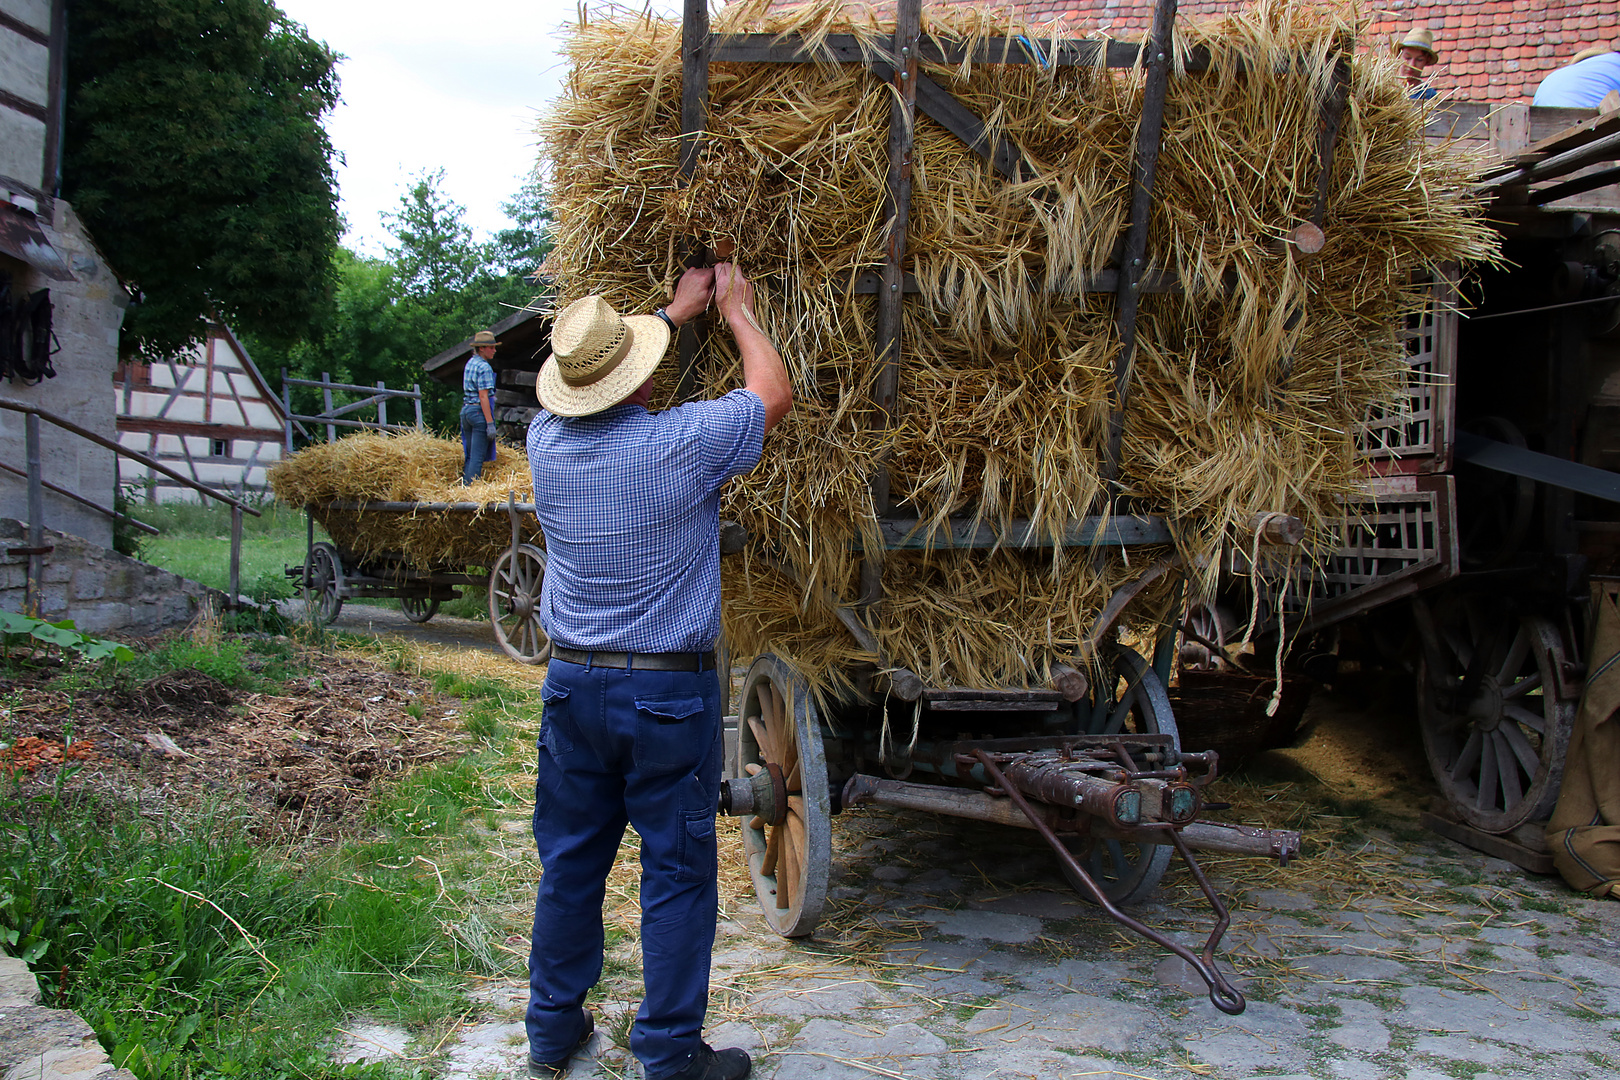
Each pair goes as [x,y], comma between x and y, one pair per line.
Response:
[1495,509]
[419,609]
[1496,703]
[789,854]
[323,583]
[1126,697]
[514,601]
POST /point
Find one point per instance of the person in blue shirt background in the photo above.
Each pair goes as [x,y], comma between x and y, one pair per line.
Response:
[1583,83]
[477,409]
[1417,54]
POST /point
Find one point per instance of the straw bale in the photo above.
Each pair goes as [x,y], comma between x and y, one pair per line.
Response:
[411,466]
[1005,379]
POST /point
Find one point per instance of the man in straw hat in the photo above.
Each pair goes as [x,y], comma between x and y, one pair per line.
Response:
[1416,51]
[477,415]
[629,501]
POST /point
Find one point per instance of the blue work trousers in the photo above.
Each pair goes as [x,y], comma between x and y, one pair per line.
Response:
[622,746]
[476,445]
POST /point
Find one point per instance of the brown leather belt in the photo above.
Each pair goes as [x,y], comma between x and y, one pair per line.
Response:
[641,661]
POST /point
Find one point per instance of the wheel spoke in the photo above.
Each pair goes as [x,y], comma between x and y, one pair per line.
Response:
[786,879]
[794,781]
[762,738]
[773,852]
[1530,682]
[1486,799]
[1529,760]
[1507,769]
[1516,654]
[1469,757]
[1526,718]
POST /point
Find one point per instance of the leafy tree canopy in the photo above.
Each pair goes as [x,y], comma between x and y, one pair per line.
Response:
[436,285]
[195,153]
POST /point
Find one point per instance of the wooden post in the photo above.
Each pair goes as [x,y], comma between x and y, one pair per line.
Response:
[891,290]
[331,431]
[286,413]
[1157,50]
[694,121]
[382,406]
[36,516]
[236,558]
[416,391]
[892,286]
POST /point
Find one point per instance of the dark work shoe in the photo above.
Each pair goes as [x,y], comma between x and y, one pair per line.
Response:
[551,1070]
[711,1064]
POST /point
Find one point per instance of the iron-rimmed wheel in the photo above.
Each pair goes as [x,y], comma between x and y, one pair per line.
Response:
[323,583]
[514,604]
[779,727]
[1126,697]
[1493,708]
[419,609]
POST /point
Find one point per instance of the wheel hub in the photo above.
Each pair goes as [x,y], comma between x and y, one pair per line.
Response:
[522,605]
[1485,710]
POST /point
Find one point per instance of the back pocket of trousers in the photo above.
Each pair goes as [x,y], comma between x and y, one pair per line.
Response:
[670,734]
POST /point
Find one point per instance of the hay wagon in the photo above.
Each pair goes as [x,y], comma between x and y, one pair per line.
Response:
[354,565]
[1092,760]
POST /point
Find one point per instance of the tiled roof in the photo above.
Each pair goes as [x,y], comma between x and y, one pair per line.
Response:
[1490,50]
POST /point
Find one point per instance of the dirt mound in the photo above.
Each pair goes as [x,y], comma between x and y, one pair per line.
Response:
[183,698]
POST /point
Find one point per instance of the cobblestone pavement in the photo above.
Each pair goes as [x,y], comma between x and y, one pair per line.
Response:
[955,950]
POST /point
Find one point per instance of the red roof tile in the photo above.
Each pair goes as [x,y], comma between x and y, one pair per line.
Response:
[1493,50]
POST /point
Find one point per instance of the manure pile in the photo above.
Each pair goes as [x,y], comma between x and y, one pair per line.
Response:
[409,467]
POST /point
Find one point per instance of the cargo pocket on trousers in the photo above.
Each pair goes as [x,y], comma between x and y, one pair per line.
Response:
[554,725]
[667,734]
[696,846]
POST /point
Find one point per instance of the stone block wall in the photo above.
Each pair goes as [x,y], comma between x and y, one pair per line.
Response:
[99,589]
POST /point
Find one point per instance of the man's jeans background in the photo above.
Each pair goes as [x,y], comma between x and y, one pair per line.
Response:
[475,445]
[620,746]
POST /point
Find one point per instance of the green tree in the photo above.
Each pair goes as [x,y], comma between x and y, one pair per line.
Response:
[194,152]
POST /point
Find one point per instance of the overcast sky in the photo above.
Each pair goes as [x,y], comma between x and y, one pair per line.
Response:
[430,85]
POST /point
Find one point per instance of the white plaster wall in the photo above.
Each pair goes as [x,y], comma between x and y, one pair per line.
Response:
[25,68]
[34,13]
[88,313]
[22,147]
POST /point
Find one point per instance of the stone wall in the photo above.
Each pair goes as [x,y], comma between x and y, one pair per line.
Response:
[99,589]
[87,314]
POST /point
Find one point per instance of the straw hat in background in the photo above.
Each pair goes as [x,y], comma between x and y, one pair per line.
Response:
[1422,39]
[484,338]
[1591,51]
[598,358]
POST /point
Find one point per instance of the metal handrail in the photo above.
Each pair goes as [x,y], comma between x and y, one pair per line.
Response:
[36,493]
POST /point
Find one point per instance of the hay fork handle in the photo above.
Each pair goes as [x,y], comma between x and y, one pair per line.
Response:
[1222,993]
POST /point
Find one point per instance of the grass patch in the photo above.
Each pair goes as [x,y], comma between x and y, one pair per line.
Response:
[195,953]
[196,544]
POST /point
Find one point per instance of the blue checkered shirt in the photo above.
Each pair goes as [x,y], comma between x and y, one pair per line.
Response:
[476,376]
[630,505]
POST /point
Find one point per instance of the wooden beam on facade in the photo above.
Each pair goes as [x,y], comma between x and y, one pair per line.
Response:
[695,45]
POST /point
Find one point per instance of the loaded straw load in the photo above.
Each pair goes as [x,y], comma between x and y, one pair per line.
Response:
[1006,370]
[412,467]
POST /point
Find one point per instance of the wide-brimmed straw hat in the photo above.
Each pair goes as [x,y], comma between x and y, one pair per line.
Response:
[598,358]
[1591,51]
[483,338]
[1421,38]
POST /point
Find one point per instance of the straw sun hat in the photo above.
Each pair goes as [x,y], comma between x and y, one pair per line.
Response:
[483,338]
[1422,39]
[598,358]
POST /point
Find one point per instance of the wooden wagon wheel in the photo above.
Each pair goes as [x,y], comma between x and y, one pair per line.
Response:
[779,728]
[1127,698]
[419,609]
[323,583]
[1493,708]
[514,604]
